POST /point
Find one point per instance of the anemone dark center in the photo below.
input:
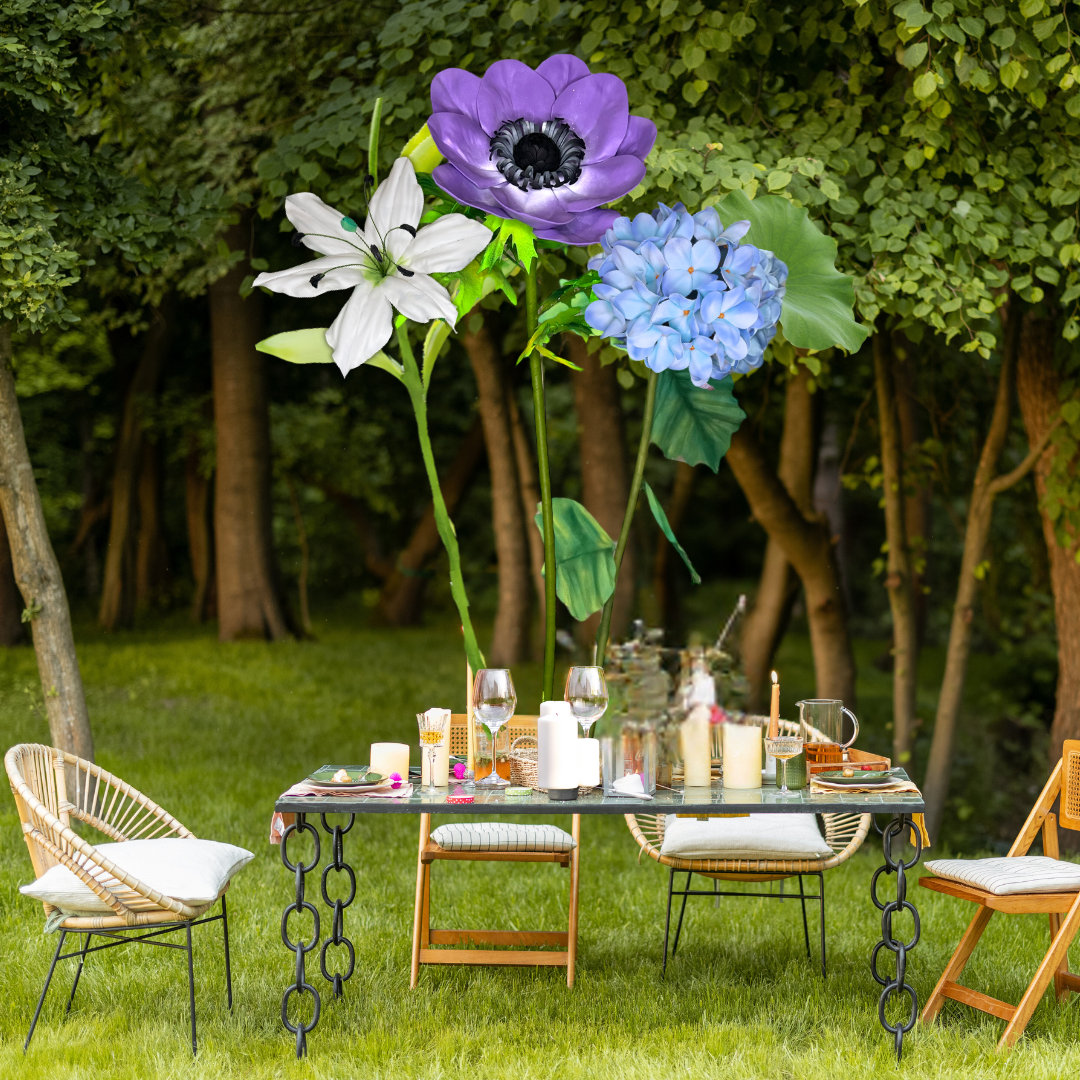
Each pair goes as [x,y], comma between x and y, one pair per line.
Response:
[535,155]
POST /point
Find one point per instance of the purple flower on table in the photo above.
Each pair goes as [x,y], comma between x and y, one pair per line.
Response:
[546,147]
[459,770]
[396,778]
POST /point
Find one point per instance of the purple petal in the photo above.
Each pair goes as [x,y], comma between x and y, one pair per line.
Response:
[597,109]
[582,229]
[511,90]
[537,208]
[640,136]
[463,141]
[605,181]
[463,189]
[562,69]
[455,90]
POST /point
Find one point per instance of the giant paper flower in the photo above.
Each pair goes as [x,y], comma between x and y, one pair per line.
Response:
[387,263]
[546,147]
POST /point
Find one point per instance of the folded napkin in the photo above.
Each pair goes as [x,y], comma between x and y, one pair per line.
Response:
[631,785]
[893,788]
[306,789]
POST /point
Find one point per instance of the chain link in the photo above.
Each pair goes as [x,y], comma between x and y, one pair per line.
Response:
[899,826]
[300,948]
[337,925]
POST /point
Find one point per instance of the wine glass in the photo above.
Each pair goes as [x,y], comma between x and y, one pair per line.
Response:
[494,701]
[782,748]
[586,693]
[433,724]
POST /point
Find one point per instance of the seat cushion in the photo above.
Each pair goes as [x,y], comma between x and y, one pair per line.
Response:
[1005,877]
[192,871]
[501,836]
[755,836]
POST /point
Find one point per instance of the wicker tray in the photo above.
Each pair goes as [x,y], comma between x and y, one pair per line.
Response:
[524,767]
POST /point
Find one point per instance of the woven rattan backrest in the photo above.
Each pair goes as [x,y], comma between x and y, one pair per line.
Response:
[1069,810]
[41,769]
[459,731]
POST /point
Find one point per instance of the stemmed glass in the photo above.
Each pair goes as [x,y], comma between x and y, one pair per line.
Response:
[782,748]
[433,724]
[494,701]
[586,693]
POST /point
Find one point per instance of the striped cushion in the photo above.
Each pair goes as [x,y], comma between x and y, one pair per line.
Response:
[1003,877]
[502,836]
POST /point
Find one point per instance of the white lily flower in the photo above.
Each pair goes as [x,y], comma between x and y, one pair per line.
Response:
[387,263]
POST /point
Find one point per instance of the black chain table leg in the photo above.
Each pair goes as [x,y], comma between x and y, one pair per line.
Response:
[300,948]
[337,932]
[899,826]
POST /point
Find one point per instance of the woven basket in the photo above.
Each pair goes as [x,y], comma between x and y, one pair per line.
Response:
[523,762]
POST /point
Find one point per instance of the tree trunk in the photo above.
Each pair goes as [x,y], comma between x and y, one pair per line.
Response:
[200,535]
[529,487]
[11,605]
[768,618]
[1037,384]
[665,592]
[898,582]
[37,575]
[305,557]
[510,635]
[401,599]
[151,553]
[353,508]
[605,478]
[809,548]
[985,489]
[117,606]
[249,605]
[89,540]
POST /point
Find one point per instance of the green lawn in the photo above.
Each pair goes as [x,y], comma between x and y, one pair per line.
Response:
[214,732]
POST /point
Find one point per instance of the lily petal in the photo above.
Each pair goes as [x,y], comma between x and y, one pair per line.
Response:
[598,110]
[446,245]
[362,328]
[333,272]
[509,90]
[320,224]
[419,298]
[398,201]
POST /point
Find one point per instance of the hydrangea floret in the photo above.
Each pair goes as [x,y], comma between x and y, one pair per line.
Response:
[681,291]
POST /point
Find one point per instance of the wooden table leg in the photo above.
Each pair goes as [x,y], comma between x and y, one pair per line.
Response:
[418,910]
[571,943]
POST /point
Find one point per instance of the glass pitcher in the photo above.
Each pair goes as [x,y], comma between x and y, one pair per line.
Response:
[821,724]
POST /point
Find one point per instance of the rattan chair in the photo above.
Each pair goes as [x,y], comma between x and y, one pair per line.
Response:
[844,833]
[39,781]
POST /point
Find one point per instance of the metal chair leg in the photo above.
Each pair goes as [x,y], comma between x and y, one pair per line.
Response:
[805,928]
[667,922]
[45,989]
[821,905]
[682,912]
[191,991]
[228,968]
[75,984]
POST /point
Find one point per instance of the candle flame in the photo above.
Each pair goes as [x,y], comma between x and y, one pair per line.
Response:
[774,678]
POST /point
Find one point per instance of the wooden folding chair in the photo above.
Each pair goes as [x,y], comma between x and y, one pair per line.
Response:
[424,937]
[1063,909]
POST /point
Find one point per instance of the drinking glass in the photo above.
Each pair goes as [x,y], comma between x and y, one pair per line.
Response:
[784,747]
[586,693]
[494,701]
[433,725]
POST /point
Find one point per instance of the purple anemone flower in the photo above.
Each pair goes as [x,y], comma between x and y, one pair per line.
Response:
[547,147]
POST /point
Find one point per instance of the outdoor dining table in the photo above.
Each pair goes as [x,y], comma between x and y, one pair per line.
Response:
[898,807]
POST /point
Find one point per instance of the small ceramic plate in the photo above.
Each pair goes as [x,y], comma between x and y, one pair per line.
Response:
[360,776]
[837,777]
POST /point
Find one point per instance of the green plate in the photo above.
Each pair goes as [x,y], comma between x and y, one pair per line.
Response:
[359,776]
[837,777]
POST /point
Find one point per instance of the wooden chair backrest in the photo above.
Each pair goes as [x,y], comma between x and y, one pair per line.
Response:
[459,731]
[1069,809]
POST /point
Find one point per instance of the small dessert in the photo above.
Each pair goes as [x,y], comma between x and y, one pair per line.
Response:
[341,777]
[848,772]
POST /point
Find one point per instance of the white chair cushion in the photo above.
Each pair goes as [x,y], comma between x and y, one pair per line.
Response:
[501,836]
[1003,877]
[192,871]
[756,836]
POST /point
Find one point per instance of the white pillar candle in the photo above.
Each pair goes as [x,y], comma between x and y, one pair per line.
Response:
[442,763]
[556,746]
[696,738]
[588,751]
[390,757]
[742,756]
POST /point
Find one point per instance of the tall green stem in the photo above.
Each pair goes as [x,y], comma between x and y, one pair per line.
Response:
[536,368]
[624,533]
[414,384]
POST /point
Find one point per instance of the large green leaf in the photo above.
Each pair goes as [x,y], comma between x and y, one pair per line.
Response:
[817,307]
[692,424]
[584,560]
[665,527]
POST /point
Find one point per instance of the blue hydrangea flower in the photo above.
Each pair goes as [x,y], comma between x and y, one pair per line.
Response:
[682,291]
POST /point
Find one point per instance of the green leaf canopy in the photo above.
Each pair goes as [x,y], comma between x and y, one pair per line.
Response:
[691,424]
[584,559]
[817,306]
